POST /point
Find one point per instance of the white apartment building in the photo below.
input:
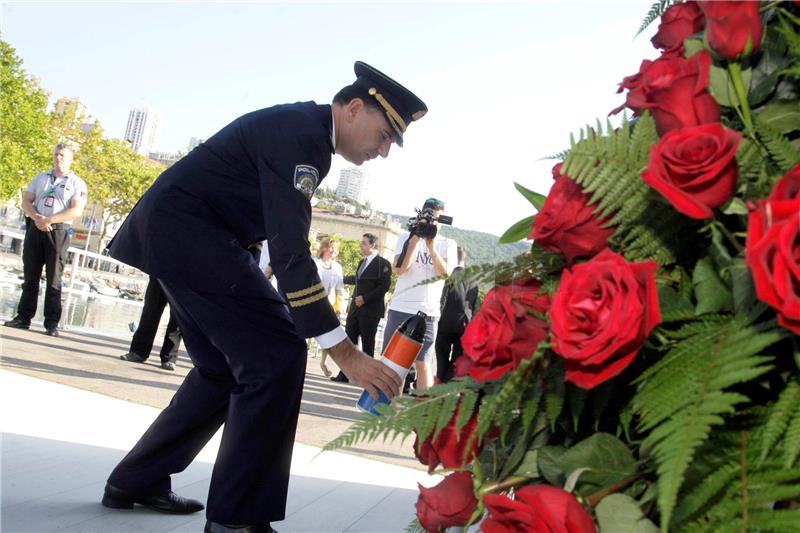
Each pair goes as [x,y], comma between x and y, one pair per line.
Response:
[141,130]
[353,185]
[194,142]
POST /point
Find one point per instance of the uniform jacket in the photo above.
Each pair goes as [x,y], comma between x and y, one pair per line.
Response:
[372,285]
[459,298]
[252,180]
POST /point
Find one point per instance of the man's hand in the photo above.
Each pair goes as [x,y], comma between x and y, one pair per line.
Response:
[42,222]
[364,371]
[359,301]
[325,369]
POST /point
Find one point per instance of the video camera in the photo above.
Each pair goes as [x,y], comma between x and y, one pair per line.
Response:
[423,225]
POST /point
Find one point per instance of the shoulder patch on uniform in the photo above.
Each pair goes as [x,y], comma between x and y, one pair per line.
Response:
[306,178]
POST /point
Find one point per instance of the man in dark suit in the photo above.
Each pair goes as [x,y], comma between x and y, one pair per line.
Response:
[155,301]
[372,279]
[459,297]
[251,181]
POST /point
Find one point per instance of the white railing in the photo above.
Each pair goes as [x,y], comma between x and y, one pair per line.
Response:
[77,253]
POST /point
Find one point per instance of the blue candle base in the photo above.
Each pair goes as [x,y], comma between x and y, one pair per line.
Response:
[367,403]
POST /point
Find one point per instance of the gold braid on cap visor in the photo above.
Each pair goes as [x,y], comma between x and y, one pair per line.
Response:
[394,117]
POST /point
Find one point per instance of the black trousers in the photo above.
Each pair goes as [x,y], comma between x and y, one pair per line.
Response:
[142,343]
[448,349]
[364,326]
[249,370]
[46,249]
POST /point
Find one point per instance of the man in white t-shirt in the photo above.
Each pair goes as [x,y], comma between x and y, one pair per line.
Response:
[425,259]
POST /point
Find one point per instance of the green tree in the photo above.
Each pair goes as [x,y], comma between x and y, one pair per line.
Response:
[349,255]
[117,177]
[26,141]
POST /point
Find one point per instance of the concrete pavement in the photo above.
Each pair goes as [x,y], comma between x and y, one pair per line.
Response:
[83,359]
[72,409]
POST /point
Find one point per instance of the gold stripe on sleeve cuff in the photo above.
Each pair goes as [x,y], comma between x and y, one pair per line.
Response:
[297,294]
[309,300]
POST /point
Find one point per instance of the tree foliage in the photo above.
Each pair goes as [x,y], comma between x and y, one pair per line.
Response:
[115,175]
[26,138]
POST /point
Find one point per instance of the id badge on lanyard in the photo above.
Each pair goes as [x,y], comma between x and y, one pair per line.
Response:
[50,200]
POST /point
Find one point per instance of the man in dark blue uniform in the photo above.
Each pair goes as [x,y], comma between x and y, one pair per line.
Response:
[251,181]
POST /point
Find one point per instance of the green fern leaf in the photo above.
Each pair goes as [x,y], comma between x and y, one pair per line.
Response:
[486,413]
[779,147]
[608,167]
[530,408]
[656,10]
[729,485]
[406,415]
[710,487]
[786,408]
[792,439]
[683,395]
[414,527]
[469,400]
[775,521]
[445,414]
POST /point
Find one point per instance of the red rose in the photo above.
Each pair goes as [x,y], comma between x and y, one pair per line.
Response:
[677,23]
[675,91]
[566,223]
[450,447]
[788,187]
[450,503]
[536,508]
[695,168]
[733,28]
[773,256]
[601,315]
[503,332]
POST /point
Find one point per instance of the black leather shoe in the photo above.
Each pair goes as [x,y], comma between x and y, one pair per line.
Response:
[340,378]
[53,332]
[17,323]
[166,503]
[213,527]
[133,357]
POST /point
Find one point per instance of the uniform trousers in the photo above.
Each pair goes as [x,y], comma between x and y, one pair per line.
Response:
[361,325]
[249,366]
[448,349]
[46,249]
[142,343]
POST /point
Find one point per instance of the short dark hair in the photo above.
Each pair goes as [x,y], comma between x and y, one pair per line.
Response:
[346,94]
[373,240]
[433,203]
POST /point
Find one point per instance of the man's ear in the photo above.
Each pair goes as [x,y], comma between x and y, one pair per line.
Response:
[353,108]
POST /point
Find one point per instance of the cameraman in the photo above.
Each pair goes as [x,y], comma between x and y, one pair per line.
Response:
[424,258]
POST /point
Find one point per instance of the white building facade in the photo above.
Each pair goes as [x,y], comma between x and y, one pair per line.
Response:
[141,130]
[353,185]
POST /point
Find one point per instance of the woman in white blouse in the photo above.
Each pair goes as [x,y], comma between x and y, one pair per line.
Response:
[330,271]
[332,277]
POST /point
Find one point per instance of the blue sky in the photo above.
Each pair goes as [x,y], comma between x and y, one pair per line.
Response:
[505,82]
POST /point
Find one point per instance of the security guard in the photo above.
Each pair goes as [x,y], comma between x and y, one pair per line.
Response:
[251,181]
[51,201]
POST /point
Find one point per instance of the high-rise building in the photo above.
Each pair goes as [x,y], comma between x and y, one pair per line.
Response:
[353,185]
[141,130]
[194,142]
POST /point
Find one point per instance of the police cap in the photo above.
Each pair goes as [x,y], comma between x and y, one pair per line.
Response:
[400,105]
